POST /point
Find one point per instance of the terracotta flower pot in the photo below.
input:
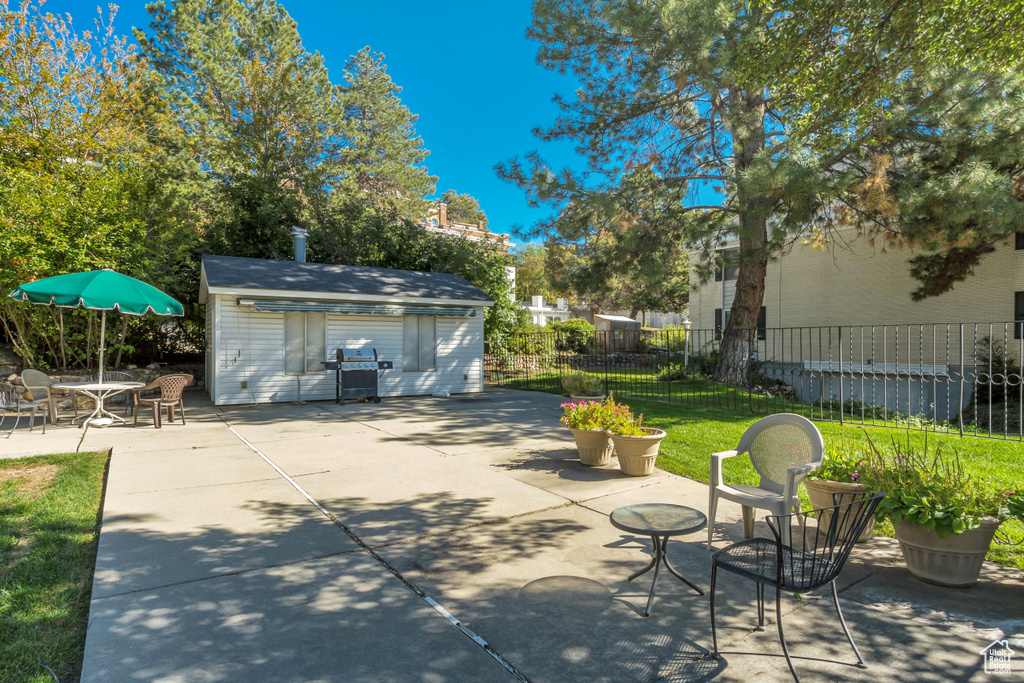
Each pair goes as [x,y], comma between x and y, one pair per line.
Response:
[637,454]
[820,493]
[953,561]
[594,446]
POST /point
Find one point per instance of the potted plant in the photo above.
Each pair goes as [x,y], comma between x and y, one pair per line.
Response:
[589,422]
[839,473]
[636,446]
[583,387]
[943,519]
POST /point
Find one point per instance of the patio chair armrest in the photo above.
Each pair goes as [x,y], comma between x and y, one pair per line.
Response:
[716,465]
[794,475]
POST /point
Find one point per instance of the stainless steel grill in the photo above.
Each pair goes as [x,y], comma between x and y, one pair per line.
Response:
[357,372]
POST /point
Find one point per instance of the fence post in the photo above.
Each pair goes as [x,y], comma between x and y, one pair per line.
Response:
[604,339]
[960,398]
[840,337]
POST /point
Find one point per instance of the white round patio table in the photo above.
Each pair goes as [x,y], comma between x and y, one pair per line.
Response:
[99,392]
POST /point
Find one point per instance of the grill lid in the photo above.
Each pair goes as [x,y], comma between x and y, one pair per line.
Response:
[357,356]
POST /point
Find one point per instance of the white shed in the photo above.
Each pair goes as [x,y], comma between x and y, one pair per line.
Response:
[271,324]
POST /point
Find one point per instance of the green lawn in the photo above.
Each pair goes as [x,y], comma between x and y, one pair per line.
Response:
[49,507]
[627,382]
[693,434]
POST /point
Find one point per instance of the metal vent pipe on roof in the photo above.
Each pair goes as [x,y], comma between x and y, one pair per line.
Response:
[300,235]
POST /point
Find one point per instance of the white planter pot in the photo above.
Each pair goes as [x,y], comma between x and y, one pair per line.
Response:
[953,561]
[637,454]
[594,446]
[576,398]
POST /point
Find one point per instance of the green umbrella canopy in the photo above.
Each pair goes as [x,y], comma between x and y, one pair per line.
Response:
[102,290]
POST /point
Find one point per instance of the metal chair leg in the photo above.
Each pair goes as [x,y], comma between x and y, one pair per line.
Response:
[760,606]
[782,636]
[714,633]
[842,620]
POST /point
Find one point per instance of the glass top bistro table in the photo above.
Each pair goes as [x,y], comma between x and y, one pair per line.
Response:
[100,392]
[659,521]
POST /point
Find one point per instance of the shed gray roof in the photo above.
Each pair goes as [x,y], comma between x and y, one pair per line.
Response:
[232,272]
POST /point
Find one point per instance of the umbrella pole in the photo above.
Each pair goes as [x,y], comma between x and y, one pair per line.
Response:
[103,345]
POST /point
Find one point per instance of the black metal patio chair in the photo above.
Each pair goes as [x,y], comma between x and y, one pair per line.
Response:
[813,559]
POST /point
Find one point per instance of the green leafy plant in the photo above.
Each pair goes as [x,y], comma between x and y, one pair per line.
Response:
[930,489]
[843,462]
[625,423]
[582,384]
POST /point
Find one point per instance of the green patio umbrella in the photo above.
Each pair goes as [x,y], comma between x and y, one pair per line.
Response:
[100,290]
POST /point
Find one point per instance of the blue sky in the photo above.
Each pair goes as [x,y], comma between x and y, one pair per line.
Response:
[466,67]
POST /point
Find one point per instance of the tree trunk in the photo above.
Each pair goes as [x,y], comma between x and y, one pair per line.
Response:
[740,332]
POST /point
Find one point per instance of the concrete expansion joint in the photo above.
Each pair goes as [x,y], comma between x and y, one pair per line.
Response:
[465,527]
[203,486]
[240,572]
[387,566]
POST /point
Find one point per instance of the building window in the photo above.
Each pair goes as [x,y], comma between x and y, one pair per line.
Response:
[728,269]
[1018,242]
[418,342]
[305,343]
[1018,314]
[722,320]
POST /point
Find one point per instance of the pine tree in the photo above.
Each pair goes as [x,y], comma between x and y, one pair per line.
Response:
[463,208]
[382,157]
[253,119]
[669,87]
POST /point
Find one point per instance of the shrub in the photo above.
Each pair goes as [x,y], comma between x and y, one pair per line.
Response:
[582,384]
[575,334]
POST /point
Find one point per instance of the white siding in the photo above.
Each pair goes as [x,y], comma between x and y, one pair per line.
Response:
[209,353]
[250,350]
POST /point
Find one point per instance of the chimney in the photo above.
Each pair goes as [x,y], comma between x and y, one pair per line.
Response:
[300,235]
[563,304]
[442,213]
[538,302]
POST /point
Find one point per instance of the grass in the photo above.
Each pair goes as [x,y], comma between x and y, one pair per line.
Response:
[693,434]
[49,516]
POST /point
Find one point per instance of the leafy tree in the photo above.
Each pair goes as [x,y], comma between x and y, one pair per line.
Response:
[357,234]
[463,208]
[531,280]
[608,237]
[670,88]
[382,157]
[845,61]
[72,170]
[254,133]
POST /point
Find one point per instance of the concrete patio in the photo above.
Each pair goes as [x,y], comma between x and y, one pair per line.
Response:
[456,539]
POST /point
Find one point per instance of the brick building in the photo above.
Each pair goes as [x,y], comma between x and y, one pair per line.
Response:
[855,283]
[437,220]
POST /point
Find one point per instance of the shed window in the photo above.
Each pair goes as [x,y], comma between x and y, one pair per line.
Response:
[305,344]
[419,340]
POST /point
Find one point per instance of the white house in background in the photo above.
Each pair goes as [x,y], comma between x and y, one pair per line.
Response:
[542,315]
[271,324]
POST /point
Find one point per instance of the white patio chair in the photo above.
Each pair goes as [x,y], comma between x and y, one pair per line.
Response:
[783,448]
[11,402]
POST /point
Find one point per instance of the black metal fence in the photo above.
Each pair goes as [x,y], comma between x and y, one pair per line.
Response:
[963,378]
